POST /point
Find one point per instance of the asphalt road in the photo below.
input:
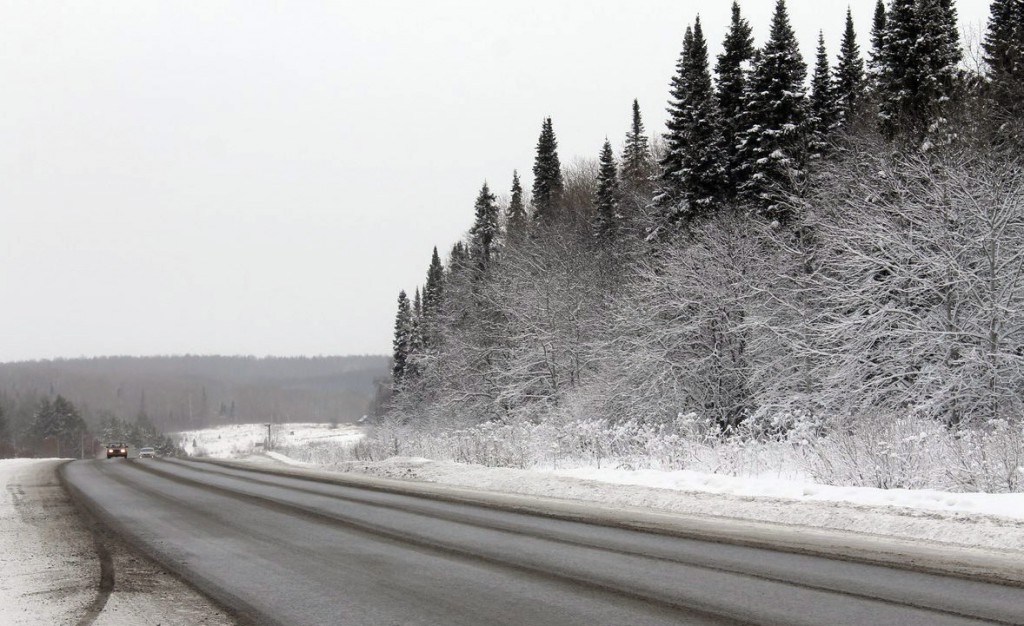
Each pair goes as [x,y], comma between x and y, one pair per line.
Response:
[284,550]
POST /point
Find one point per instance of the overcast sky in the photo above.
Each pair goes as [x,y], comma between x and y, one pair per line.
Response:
[262,177]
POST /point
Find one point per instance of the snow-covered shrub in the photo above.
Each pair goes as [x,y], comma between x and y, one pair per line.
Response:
[988,458]
[882,452]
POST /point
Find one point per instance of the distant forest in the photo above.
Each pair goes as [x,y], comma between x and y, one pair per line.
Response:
[185,392]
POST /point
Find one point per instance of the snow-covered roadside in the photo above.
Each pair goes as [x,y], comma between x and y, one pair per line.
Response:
[50,569]
[51,564]
[992,522]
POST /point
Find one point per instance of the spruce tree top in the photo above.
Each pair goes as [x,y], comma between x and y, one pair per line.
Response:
[606,202]
[485,227]
[849,73]
[516,209]
[636,154]
[1004,40]
[547,176]
[433,291]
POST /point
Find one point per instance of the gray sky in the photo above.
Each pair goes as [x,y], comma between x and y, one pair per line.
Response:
[262,177]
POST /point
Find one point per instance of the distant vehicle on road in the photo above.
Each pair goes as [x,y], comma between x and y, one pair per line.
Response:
[117,449]
[147,453]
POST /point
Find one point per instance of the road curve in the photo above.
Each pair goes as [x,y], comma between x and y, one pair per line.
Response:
[284,550]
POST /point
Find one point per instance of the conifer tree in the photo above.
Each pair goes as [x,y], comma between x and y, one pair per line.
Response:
[704,169]
[1004,42]
[547,176]
[697,184]
[516,216]
[877,43]
[433,301]
[606,218]
[849,84]
[671,186]
[416,338]
[485,228]
[822,107]
[920,53]
[433,290]
[402,343]
[737,53]
[1004,55]
[774,145]
[636,154]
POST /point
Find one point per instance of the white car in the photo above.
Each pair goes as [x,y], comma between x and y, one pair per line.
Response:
[147,453]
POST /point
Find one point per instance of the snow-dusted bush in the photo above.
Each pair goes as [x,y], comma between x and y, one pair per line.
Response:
[989,458]
[881,452]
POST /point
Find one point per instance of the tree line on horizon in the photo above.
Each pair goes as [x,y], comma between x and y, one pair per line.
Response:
[136,398]
[840,240]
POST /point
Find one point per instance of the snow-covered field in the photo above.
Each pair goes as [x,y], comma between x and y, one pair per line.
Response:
[245,439]
[993,521]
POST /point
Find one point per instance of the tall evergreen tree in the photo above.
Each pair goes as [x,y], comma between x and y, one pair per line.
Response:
[547,176]
[1004,42]
[433,302]
[823,109]
[1004,55]
[606,217]
[849,84]
[417,340]
[402,343]
[433,290]
[670,191]
[920,53]
[737,53]
[877,43]
[774,145]
[417,305]
[636,154]
[697,186]
[704,168]
[485,228]
[516,217]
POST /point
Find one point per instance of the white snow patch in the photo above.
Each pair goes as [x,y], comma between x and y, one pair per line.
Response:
[50,570]
[1009,505]
[240,440]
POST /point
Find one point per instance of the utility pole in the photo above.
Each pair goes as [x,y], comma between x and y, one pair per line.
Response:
[268,435]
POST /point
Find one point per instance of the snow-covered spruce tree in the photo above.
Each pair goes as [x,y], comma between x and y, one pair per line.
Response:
[694,175]
[547,176]
[773,150]
[877,46]
[918,69]
[485,227]
[433,290]
[1004,43]
[637,166]
[1004,55]
[516,216]
[607,218]
[670,187]
[402,343]
[704,170]
[737,53]
[849,77]
[414,361]
[635,177]
[823,109]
